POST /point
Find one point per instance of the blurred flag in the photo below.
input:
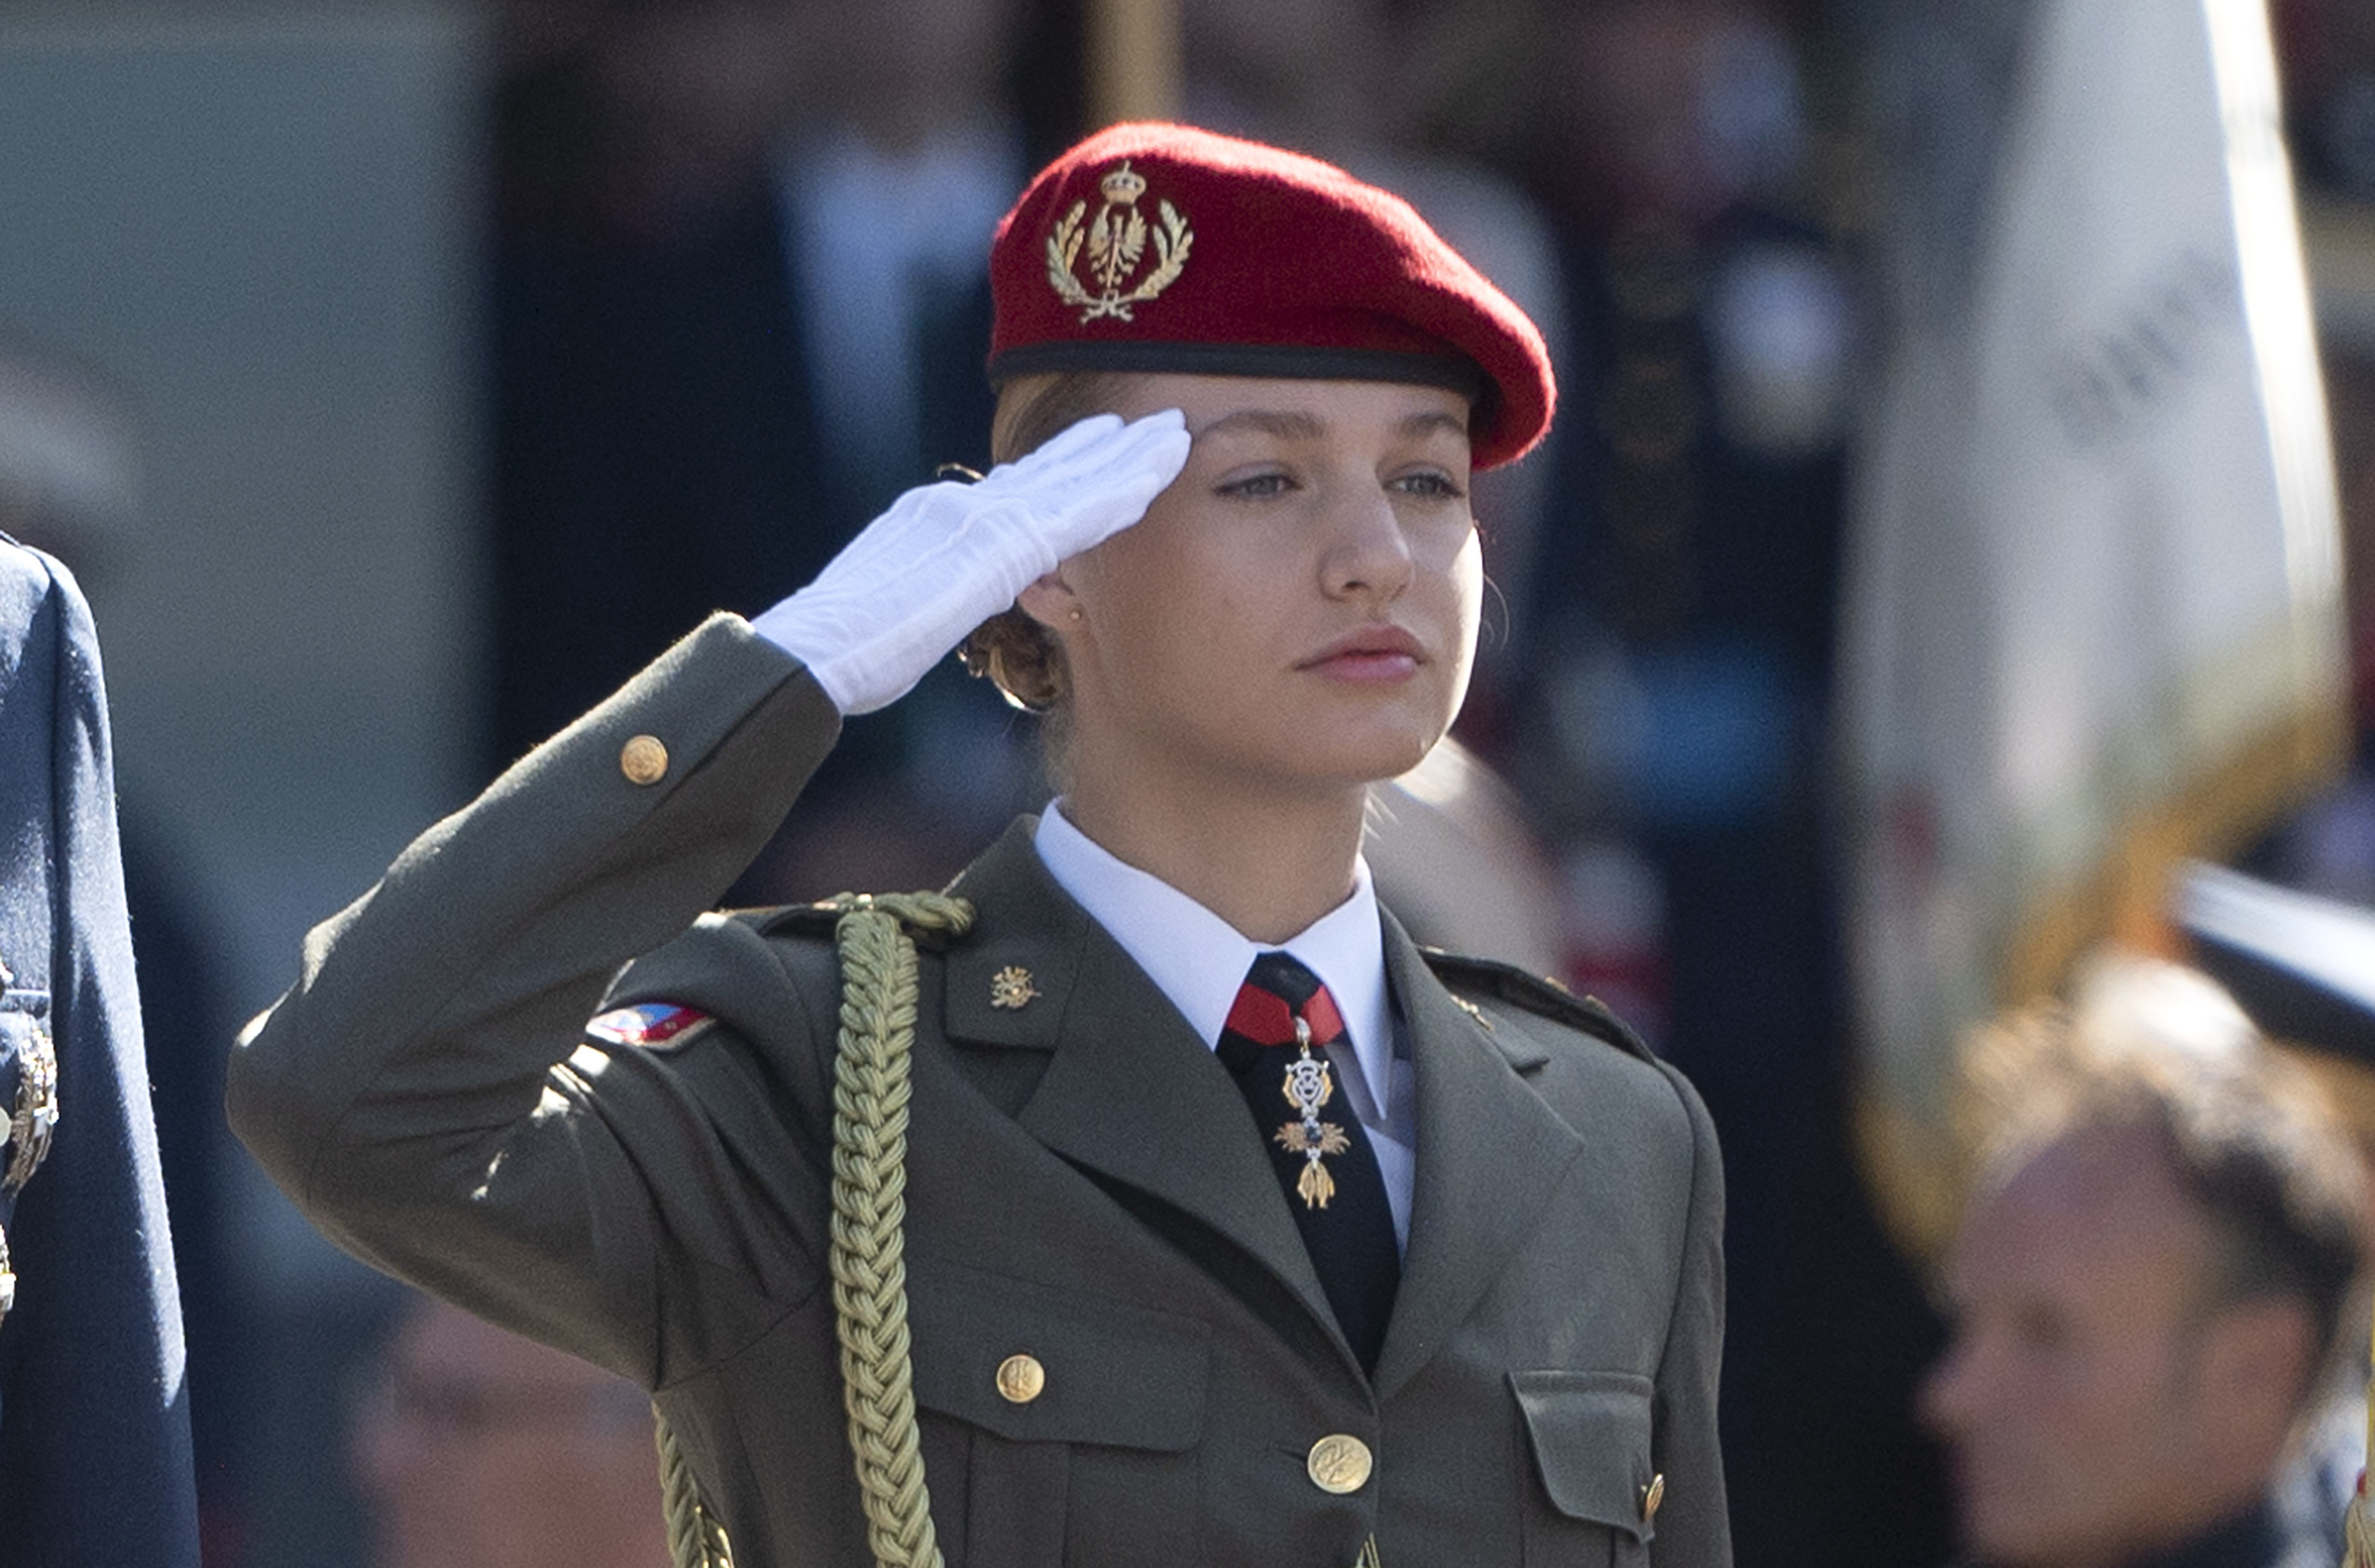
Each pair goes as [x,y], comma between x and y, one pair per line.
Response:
[2093,621]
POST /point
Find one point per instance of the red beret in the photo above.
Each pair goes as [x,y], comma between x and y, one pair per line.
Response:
[1155,247]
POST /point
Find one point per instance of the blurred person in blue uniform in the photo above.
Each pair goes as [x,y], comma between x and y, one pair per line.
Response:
[95,1462]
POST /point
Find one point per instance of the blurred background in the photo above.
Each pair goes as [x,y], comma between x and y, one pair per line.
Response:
[1957,515]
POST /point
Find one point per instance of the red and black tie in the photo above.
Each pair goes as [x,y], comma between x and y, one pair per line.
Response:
[1273,1044]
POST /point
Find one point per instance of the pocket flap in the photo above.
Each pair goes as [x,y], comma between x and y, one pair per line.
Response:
[1590,1431]
[1109,1371]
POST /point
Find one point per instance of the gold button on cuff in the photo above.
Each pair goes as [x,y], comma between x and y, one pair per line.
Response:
[644,759]
[1653,1497]
[1020,1379]
[1338,1463]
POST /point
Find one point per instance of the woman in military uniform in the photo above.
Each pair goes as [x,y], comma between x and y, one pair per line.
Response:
[1236,1228]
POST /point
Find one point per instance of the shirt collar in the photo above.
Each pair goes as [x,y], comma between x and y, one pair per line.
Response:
[1198,960]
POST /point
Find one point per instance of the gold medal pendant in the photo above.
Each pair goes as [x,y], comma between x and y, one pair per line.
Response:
[1310,1084]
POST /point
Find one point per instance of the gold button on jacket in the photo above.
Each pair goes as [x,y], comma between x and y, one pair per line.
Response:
[1338,1463]
[1081,1180]
[1020,1379]
[645,759]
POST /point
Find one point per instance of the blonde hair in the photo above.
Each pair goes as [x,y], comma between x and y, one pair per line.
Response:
[1020,656]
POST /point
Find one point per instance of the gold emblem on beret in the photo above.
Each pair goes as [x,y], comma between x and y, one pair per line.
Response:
[1116,246]
[1011,987]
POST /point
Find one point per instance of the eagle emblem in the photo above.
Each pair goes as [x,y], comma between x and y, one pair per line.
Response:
[1115,241]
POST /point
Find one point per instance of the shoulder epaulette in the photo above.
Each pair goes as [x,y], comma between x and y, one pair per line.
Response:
[818,920]
[1547,998]
[794,919]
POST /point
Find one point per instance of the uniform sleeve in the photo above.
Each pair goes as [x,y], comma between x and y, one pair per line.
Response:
[1693,1527]
[95,1463]
[425,1093]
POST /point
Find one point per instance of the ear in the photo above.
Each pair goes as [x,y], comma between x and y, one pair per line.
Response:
[1051,602]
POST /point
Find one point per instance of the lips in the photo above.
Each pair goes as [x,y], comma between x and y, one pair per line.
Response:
[1369,653]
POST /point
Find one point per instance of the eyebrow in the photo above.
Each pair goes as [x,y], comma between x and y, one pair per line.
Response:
[1431,420]
[1287,426]
[1295,426]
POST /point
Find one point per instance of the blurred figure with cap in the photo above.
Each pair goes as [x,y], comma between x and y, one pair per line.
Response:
[2301,965]
[1176,1207]
[481,1449]
[2148,1285]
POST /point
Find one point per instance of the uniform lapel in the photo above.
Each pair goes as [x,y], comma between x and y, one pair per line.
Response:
[1490,1151]
[1130,1092]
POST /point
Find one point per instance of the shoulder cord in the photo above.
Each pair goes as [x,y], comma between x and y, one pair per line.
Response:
[870,1274]
[696,1537]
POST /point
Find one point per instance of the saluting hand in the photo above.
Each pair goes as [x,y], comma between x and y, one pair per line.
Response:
[947,557]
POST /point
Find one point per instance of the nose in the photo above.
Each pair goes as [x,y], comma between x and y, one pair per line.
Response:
[1366,554]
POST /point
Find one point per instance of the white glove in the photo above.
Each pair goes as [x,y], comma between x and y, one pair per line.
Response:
[947,557]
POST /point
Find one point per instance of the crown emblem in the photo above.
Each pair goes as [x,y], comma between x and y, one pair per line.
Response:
[1123,186]
[1116,244]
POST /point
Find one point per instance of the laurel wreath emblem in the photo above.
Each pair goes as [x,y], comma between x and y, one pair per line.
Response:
[1116,244]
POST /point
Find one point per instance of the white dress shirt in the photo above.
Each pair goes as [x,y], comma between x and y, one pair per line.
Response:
[1199,960]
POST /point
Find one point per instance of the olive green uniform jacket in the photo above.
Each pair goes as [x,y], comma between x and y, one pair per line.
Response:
[1085,1187]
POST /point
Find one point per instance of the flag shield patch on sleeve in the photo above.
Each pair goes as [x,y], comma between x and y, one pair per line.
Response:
[655,1026]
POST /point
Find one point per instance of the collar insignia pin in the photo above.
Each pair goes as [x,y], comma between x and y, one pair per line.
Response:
[1117,245]
[1010,988]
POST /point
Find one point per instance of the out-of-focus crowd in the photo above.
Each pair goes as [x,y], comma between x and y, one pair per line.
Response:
[734,302]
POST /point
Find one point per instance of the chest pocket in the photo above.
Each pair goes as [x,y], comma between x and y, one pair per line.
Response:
[1590,1434]
[1057,1428]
